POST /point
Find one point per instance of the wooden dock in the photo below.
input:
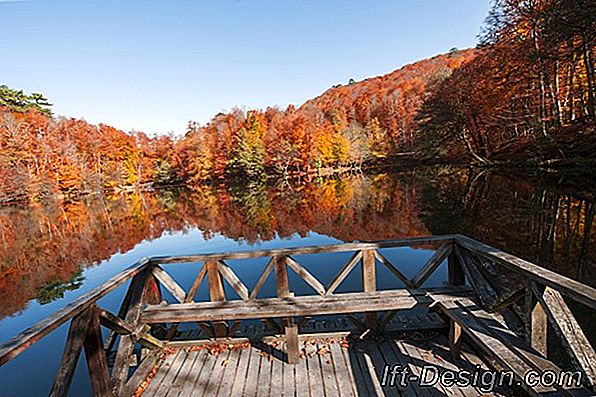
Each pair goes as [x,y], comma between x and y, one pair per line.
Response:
[325,343]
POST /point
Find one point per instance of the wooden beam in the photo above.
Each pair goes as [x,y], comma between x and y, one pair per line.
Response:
[125,348]
[346,247]
[262,279]
[569,332]
[432,264]
[195,285]
[455,338]
[140,373]
[485,290]
[168,282]
[216,294]
[369,284]
[344,272]
[72,350]
[283,293]
[31,335]
[455,269]
[574,289]
[306,275]
[537,324]
[387,263]
[97,364]
[359,302]
[233,280]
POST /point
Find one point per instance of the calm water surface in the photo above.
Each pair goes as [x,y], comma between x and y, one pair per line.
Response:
[51,253]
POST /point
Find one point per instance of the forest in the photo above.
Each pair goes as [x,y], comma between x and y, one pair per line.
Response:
[525,95]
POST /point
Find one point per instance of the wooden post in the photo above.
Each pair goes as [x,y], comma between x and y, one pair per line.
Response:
[455,338]
[369,284]
[455,269]
[97,363]
[283,291]
[537,324]
[217,294]
[72,350]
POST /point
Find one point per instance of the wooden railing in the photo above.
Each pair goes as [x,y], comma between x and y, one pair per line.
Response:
[143,307]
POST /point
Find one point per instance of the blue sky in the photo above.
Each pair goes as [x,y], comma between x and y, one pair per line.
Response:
[154,65]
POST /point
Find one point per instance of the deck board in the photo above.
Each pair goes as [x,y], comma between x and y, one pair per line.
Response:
[326,368]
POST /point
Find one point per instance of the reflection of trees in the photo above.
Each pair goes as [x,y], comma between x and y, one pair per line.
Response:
[541,220]
[56,289]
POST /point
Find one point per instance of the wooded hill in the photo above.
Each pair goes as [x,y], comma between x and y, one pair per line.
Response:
[525,95]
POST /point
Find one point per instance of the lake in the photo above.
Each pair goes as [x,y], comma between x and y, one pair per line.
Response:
[53,252]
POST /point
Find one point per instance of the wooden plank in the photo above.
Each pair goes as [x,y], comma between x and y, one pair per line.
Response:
[195,285]
[455,338]
[289,380]
[74,343]
[301,378]
[387,263]
[275,307]
[328,370]
[31,335]
[140,373]
[125,348]
[315,376]
[346,247]
[162,372]
[377,363]
[569,332]
[97,363]
[241,372]
[230,373]
[203,363]
[393,357]
[292,344]
[432,264]
[251,385]
[574,289]
[343,374]
[492,345]
[219,369]
[369,283]
[361,381]
[262,279]
[343,273]
[183,376]
[306,275]
[233,280]
[168,282]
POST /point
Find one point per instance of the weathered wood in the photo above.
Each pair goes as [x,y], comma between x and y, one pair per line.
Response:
[341,276]
[306,275]
[216,294]
[486,292]
[537,324]
[97,364]
[387,263]
[455,338]
[115,323]
[74,343]
[369,283]
[455,271]
[233,280]
[292,345]
[140,373]
[125,348]
[574,289]
[31,335]
[346,247]
[432,264]
[195,285]
[168,282]
[262,279]
[569,332]
[286,307]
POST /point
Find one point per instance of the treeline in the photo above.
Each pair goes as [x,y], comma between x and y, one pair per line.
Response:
[529,91]
[347,126]
[41,156]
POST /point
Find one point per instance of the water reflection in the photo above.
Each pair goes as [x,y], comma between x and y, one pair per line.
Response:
[549,220]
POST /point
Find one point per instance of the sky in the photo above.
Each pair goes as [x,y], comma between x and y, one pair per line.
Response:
[152,65]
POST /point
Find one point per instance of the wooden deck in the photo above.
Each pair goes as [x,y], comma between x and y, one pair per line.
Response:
[494,309]
[327,367]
